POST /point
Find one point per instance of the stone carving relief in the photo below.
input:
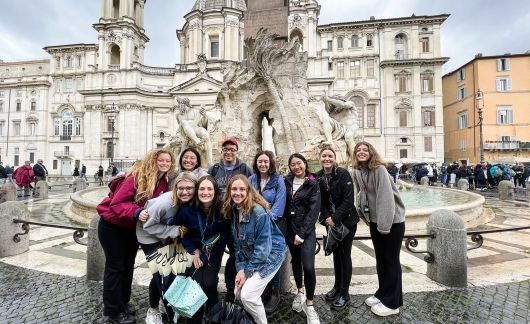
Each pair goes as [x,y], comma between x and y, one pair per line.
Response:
[232,21]
[297,21]
[112,37]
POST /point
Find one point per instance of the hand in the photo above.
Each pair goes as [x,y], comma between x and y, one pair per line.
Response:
[297,242]
[144,215]
[183,230]
[197,260]
[330,222]
[240,279]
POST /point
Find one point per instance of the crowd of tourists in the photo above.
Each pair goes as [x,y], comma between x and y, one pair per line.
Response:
[256,215]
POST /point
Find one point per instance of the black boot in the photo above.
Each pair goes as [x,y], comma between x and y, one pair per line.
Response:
[332,295]
[122,318]
[342,301]
[273,301]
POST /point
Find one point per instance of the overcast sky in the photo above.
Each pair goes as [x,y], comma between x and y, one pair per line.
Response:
[488,26]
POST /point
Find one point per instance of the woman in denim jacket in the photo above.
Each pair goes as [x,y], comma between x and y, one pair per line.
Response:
[258,243]
[271,186]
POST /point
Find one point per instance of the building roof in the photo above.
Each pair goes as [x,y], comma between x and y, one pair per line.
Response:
[209,5]
[479,56]
[372,22]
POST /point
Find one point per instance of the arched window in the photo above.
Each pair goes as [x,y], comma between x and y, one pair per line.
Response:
[355,41]
[340,42]
[359,104]
[33,105]
[67,122]
[18,105]
[115,55]
[400,47]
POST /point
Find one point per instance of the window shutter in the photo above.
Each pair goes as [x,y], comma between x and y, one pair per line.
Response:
[510,116]
[499,66]
[499,117]
[498,84]
[507,64]
[509,84]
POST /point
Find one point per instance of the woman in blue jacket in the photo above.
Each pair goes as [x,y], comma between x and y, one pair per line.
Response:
[258,244]
[268,182]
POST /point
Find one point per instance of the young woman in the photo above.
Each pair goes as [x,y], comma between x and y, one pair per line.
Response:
[206,239]
[268,182]
[116,230]
[379,203]
[301,212]
[190,160]
[338,208]
[258,243]
[158,225]
[100,175]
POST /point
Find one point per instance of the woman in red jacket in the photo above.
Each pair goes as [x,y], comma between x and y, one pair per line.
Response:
[147,179]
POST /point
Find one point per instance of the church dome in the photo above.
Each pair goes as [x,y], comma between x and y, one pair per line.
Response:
[209,5]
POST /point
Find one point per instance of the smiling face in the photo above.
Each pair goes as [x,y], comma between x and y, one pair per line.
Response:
[263,163]
[327,159]
[229,154]
[163,162]
[189,161]
[206,192]
[362,154]
[238,192]
[185,190]
[297,167]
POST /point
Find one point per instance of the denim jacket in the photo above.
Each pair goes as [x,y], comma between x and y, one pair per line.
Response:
[274,193]
[259,245]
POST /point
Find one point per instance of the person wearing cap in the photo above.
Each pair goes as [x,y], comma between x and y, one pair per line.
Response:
[41,173]
[222,172]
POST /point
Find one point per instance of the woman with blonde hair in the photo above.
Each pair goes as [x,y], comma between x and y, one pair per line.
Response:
[147,179]
[378,202]
[258,243]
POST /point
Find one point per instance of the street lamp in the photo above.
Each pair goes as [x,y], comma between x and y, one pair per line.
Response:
[479,96]
[112,113]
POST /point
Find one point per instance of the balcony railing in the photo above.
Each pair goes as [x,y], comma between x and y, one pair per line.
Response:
[66,137]
[506,145]
[401,56]
[63,154]
[114,66]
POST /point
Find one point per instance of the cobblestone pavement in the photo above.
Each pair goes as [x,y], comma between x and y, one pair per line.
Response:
[28,296]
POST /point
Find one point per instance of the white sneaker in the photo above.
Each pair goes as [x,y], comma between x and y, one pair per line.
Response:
[298,301]
[371,301]
[382,310]
[311,314]
[153,317]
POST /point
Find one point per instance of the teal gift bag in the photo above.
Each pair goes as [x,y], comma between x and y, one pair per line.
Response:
[185,296]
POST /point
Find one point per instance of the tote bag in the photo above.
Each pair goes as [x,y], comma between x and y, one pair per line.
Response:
[185,296]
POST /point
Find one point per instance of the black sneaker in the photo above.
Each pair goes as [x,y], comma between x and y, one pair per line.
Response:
[122,318]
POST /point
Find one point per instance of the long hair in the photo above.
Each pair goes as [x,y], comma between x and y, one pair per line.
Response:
[210,215]
[185,175]
[374,161]
[272,163]
[252,198]
[194,151]
[145,173]
[301,157]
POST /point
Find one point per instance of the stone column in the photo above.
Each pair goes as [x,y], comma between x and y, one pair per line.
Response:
[41,189]
[95,257]
[8,192]
[463,184]
[10,210]
[79,184]
[449,248]
[506,190]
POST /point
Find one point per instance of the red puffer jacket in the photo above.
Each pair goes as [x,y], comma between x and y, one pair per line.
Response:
[119,207]
[24,175]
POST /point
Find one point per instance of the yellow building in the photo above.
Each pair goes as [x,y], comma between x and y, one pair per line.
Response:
[498,87]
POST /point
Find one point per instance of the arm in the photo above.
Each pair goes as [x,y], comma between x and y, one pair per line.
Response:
[278,206]
[158,208]
[385,205]
[312,215]
[123,204]
[262,245]
[345,207]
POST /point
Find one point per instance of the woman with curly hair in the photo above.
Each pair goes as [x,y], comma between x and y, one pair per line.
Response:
[258,244]
[147,179]
[379,203]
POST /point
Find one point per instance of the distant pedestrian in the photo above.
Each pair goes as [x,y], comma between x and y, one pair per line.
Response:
[3,174]
[83,172]
[76,172]
[24,176]
[41,173]
[100,175]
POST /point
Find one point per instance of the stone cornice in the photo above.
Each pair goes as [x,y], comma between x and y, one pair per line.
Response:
[121,91]
[70,48]
[24,84]
[412,62]
[381,23]
[119,25]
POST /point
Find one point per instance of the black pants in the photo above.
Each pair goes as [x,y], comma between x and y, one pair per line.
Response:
[387,248]
[156,282]
[230,273]
[303,260]
[342,263]
[120,247]
[207,277]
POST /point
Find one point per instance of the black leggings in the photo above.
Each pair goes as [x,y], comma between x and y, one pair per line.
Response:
[155,284]
[303,260]
[342,263]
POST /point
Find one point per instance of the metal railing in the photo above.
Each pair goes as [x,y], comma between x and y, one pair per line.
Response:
[79,232]
[521,194]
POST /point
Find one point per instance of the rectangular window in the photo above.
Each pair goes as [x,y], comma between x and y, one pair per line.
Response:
[16,128]
[355,69]
[504,115]
[354,41]
[1,128]
[461,75]
[57,86]
[340,70]
[503,64]
[427,143]
[32,157]
[369,40]
[214,46]
[18,106]
[462,121]
[461,95]
[402,83]
[330,66]
[360,116]
[56,126]
[427,83]
[463,144]
[33,106]
[428,118]
[32,129]
[2,94]
[425,45]
[79,85]
[330,45]
[78,60]
[370,116]
[17,160]
[68,85]
[403,118]
[340,41]
[57,63]
[403,153]
[54,164]
[110,124]
[1,106]
[67,150]
[370,68]
[504,84]
[77,126]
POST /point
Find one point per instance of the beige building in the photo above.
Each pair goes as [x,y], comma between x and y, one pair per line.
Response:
[499,87]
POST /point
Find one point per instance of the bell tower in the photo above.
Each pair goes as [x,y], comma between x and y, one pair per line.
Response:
[270,14]
[121,34]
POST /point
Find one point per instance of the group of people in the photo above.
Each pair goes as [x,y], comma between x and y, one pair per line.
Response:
[257,215]
[25,176]
[485,175]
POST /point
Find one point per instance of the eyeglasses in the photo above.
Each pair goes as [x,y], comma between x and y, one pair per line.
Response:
[231,150]
[188,189]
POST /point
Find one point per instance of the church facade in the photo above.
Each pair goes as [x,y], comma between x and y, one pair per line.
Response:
[89,103]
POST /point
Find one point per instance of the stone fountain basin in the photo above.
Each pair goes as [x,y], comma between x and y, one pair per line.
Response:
[84,203]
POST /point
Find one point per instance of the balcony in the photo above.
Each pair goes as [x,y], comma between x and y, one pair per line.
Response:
[63,154]
[65,138]
[114,67]
[506,145]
